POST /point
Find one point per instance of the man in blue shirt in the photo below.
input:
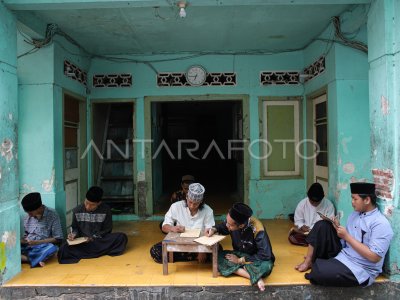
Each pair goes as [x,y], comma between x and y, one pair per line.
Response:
[364,243]
[42,230]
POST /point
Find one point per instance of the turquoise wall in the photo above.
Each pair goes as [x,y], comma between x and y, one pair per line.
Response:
[9,207]
[41,85]
[384,74]
[345,82]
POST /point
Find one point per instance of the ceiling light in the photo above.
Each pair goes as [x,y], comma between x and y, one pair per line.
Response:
[182,11]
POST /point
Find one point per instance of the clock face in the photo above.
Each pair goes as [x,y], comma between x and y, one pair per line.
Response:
[196,75]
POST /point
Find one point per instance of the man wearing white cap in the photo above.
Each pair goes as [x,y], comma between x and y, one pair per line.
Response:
[191,213]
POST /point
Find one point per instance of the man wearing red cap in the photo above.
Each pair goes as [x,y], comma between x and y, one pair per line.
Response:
[355,257]
[252,255]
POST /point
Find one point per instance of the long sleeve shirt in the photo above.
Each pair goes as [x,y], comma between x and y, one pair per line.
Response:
[94,224]
[252,240]
[306,214]
[373,230]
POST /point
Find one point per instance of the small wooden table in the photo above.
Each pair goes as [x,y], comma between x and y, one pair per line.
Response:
[174,243]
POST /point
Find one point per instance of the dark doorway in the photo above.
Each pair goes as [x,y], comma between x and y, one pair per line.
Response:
[178,128]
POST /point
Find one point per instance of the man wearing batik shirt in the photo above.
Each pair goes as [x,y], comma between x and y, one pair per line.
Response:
[356,259]
[93,220]
[42,231]
[252,255]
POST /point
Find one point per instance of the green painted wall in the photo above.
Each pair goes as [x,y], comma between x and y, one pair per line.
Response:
[41,86]
[384,74]
[9,207]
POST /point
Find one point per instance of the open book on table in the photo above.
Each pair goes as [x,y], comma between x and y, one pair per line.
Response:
[210,240]
[77,241]
[190,233]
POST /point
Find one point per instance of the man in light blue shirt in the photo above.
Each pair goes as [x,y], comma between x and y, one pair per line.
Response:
[364,241]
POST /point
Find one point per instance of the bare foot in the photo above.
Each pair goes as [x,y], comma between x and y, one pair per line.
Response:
[261,285]
[42,264]
[304,266]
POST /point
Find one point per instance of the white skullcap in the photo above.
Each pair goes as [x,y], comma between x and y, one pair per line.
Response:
[196,192]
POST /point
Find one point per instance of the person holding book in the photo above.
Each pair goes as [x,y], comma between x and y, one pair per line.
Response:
[252,255]
[92,221]
[306,214]
[42,231]
[352,255]
[191,213]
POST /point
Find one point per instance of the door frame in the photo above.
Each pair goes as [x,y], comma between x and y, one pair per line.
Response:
[82,163]
[196,98]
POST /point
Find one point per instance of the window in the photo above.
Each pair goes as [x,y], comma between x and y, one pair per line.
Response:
[281,130]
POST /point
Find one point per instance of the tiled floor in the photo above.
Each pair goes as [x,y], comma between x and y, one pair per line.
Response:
[136,268]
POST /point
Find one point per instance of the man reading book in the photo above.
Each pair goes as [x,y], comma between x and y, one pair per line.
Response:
[42,231]
[351,255]
[252,255]
[92,220]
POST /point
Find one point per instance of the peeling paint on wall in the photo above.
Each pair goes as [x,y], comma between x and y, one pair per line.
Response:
[141,176]
[385,182]
[6,149]
[384,106]
[349,168]
[26,189]
[47,184]
[345,141]
[0,172]
[10,116]
[9,238]
[389,211]
[3,257]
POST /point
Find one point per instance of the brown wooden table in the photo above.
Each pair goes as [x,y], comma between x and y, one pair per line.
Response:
[174,243]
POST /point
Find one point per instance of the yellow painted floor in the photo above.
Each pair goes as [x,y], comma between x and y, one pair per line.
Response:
[136,268]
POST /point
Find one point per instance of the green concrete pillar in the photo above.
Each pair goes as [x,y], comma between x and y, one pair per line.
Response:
[384,96]
[9,193]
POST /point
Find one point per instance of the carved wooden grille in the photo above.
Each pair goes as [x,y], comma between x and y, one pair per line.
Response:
[112,80]
[279,77]
[75,73]
[315,69]
[213,79]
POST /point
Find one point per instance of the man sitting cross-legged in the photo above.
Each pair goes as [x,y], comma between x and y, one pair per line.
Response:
[356,259]
[252,255]
[92,220]
[42,231]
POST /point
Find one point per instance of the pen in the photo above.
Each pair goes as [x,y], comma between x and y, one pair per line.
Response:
[70,229]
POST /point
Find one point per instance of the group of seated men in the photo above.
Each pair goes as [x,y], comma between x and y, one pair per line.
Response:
[337,255]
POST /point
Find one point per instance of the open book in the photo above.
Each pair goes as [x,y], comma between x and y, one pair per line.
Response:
[326,218]
[77,241]
[190,233]
[210,240]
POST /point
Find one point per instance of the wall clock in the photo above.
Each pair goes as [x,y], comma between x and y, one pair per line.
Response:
[196,75]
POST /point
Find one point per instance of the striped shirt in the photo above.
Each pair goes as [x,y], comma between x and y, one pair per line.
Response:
[49,226]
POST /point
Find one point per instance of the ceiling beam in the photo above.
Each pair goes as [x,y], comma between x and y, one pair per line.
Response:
[92,4]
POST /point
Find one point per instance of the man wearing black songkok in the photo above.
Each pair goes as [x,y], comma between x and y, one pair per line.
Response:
[252,255]
[92,220]
[42,231]
[352,255]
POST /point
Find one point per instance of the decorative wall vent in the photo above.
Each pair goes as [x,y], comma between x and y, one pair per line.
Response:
[179,79]
[112,80]
[74,72]
[279,77]
[314,69]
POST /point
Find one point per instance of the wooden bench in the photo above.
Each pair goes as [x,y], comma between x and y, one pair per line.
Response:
[174,243]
